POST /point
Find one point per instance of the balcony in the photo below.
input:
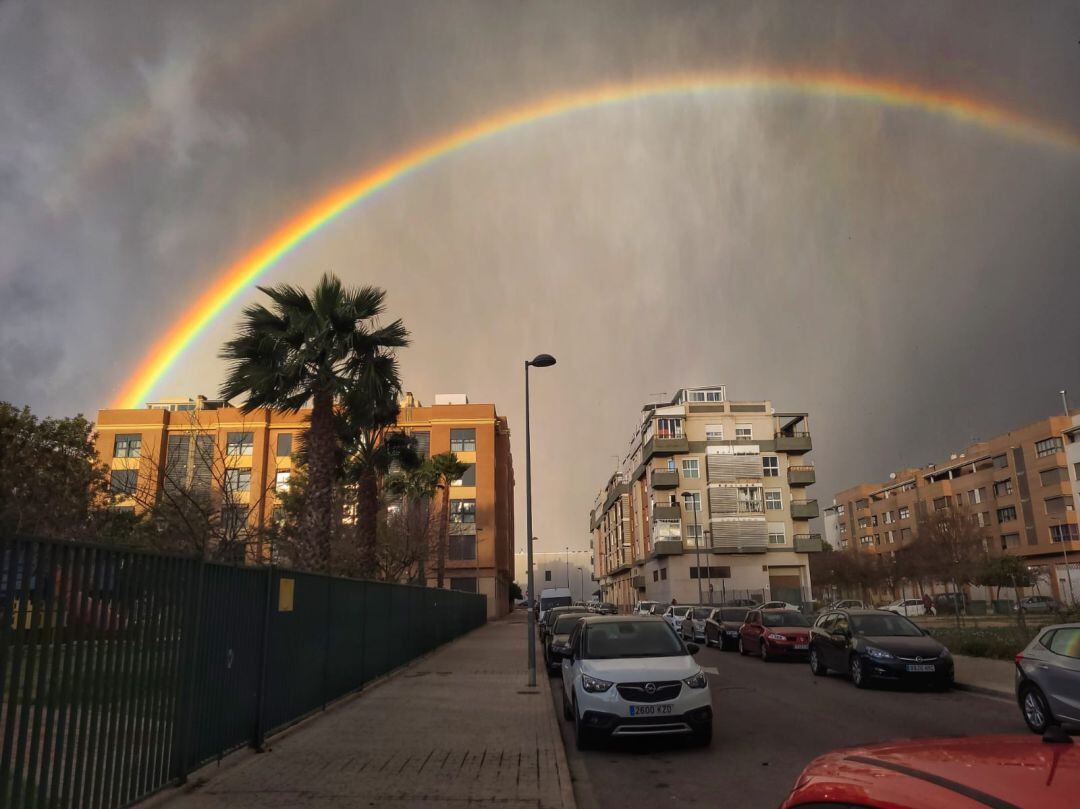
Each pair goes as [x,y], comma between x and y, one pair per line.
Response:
[793,441]
[665,444]
[665,479]
[667,547]
[666,512]
[807,543]
[804,509]
[801,475]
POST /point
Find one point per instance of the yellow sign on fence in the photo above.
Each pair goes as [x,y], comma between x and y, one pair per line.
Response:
[285,594]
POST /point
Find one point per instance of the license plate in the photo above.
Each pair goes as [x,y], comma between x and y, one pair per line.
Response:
[734,633]
[649,710]
[802,646]
[920,667]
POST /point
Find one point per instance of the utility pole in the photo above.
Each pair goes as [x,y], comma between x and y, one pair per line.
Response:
[697,545]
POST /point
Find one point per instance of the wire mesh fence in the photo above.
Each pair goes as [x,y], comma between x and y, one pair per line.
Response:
[122,671]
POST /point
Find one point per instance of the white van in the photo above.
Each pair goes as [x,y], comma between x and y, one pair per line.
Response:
[554,597]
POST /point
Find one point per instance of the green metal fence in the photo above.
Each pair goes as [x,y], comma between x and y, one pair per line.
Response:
[122,671]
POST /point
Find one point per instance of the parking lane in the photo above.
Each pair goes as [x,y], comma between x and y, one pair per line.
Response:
[771,720]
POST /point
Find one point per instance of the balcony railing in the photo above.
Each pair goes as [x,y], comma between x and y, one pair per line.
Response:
[804,509]
[663,511]
[801,475]
[667,547]
[807,543]
[796,441]
[665,479]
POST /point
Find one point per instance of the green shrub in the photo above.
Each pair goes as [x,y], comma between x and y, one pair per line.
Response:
[998,642]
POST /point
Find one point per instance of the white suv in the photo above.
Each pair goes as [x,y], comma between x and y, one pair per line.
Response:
[633,676]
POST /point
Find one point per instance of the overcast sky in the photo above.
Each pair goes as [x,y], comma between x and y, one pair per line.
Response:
[908,279]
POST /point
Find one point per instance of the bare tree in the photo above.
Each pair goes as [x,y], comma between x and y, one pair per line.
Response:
[949,547]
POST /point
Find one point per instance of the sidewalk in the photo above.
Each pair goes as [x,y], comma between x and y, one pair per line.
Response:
[995,677]
[460,727]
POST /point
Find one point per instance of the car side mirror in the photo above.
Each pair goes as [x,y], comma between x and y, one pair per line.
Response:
[693,648]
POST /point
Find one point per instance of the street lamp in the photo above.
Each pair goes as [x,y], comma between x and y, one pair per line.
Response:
[567,567]
[581,582]
[539,361]
[691,505]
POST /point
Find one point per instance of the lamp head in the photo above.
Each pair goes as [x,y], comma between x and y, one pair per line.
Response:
[542,361]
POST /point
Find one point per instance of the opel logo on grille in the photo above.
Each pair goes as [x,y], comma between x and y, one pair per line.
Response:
[918,659]
[650,688]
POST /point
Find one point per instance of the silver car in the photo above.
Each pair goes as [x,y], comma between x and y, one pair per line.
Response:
[1048,678]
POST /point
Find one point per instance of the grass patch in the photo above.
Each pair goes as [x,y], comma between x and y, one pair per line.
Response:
[996,642]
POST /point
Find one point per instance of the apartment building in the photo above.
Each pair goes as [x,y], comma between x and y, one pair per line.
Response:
[1071,437]
[208,442]
[712,493]
[1016,485]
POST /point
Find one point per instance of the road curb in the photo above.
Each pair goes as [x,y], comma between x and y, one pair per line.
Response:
[566,786]
[987,692]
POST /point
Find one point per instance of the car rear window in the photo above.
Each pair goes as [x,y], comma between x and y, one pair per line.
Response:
[565,623]
[701,613]
[611,639]
[680,611]
[1066,642]
[733,615]
[887,624]
[786,618]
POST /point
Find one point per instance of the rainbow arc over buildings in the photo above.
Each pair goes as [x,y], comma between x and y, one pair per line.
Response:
[238,276]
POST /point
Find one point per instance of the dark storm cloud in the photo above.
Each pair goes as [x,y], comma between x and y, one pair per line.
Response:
[908,280]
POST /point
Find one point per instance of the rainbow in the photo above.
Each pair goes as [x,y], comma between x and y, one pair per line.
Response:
[239,275]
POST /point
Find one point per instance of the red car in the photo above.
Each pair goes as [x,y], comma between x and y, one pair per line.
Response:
[1004,772]
[775,633]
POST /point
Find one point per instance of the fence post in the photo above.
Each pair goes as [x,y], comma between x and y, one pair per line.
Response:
[326,639]
[186,706]
[260,701]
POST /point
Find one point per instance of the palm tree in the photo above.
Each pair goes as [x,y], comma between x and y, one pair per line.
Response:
[372,447]
[314,348]
[447,469]
[416,487]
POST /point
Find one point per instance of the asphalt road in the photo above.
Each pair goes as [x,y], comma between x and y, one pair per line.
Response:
[771,719]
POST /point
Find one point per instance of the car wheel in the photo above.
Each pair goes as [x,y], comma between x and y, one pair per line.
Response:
[742,649]
[763,650]
[816,666]
[858,675]
[567,709]
[1036,710]
[582,737]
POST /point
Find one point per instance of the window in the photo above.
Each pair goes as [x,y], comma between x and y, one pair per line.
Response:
[1048,446]
[547,575]
[692,501]
[124,481]
[1007,514]
[463,584]
[840,509]
[671,464]
[239,444]
[777,535]
[744,432]
[864,522]
[770,465]
[905,533]
[669,428]
[890,537]
[695,535]
[1049,477]
[278,517]
[941,503]
[1057,506]
[1066,532]
[903,512]
[773,500]
[127,446]
[843,529]
[1001,461]
[711,572]
[691,468]
[468,477]
[977,495]
[873,520]
[714,432]
[959,500]
[1010,541]
[232,519]
[281,481]
[462,546]
[284,445]
[706,396]
[1066,642]
[238,480]
[656,575]
[889,518]
[866,540]
[983,518]
[663,574]
[750,499]
[463,511]
[877,539]
[1003,487]
[423,444]
[463,440]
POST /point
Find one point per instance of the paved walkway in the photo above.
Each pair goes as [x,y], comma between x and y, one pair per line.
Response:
[460,728]
[984,674]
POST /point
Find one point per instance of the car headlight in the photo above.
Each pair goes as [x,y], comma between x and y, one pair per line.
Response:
[945,654]
[879,654]
[593,685]
[699,680]
[775,636]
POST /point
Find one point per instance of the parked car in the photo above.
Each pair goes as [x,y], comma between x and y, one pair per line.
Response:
[606,609]
[1001,771]
[693,625]
[722,626]
[674,615]
[908,607]
[552,614]
[1037,604]
[876,645]
[775,633]
[846,604]
[631,675]
[552,597]
[1048,678]
[555,643]
[778,605]
[740,602]
[645,607]
[949,603]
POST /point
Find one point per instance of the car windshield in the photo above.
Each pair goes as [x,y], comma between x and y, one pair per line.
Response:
[886,624]
[733,615]
[555,601]
[631,639]
[565,623]
[701,613]
[786,618]
[679,611]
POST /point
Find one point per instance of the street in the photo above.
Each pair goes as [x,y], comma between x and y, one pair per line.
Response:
[771,720]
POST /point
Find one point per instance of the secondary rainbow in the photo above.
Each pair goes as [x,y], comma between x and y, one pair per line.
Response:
[238,276]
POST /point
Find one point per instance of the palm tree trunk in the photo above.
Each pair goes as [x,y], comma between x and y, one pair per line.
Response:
[367,517]
[317,519]
[444,529]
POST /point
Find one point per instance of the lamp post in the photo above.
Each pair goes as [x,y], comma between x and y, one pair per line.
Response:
[697,543]
[581,582]
[567,567]
[539,361]
[1066,537]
